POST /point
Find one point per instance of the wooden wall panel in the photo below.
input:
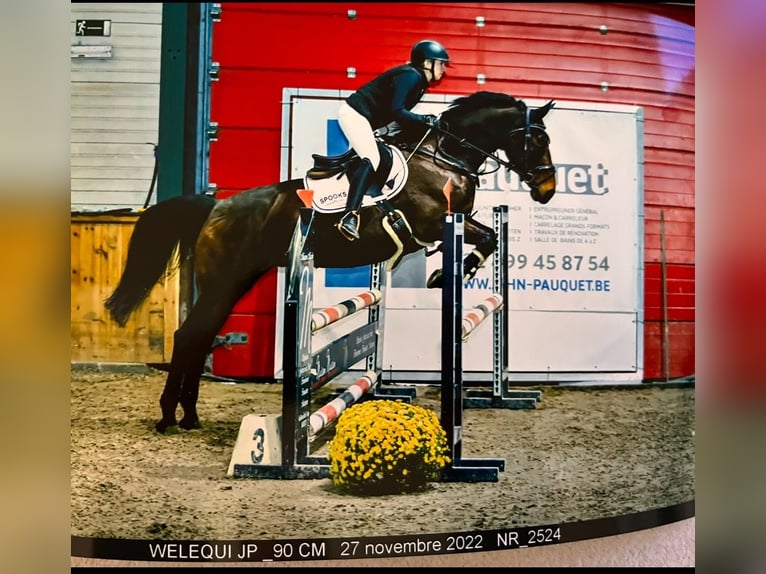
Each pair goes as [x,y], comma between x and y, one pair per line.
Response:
[99,245]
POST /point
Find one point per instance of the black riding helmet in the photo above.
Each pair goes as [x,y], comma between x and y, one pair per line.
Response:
[427,50]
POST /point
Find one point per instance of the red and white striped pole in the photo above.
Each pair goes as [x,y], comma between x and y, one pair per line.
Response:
[332,410]
[328,315]
[475,316]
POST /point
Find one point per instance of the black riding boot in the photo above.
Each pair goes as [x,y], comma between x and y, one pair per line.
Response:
[349,223]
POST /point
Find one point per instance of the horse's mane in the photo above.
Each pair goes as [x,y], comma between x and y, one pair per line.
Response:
[411,133]
[480,100]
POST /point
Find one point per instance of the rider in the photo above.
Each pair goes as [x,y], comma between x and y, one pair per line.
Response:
[388,97]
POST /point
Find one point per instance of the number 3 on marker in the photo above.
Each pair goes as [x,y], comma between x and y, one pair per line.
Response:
[259,438]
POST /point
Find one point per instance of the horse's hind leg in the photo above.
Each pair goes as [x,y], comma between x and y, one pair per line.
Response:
[192,343]
[199,337]
[179,371]
[169,397]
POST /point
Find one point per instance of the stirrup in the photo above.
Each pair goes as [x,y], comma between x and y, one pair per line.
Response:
[349,225]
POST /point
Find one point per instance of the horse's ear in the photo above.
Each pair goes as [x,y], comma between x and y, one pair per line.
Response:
[539,113]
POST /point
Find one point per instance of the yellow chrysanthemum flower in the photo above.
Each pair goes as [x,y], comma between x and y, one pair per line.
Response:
[385,446]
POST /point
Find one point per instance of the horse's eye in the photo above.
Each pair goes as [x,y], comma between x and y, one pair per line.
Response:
[517,139]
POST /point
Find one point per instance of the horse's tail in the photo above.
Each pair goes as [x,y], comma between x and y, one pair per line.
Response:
[157,232]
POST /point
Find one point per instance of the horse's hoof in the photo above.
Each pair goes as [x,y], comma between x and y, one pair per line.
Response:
[435,281]
[190,424]
[164,427]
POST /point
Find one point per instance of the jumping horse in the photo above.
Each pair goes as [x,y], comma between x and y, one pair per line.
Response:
[234,241]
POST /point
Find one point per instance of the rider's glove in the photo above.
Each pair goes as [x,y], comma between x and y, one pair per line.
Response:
[431,120]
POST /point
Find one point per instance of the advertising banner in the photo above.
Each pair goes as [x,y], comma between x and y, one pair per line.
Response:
[575,265]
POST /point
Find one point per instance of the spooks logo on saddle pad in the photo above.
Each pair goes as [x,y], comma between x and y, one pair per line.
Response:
[330,193]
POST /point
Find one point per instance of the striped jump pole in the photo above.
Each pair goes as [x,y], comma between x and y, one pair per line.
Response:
[329,315]
[332,410]
[476,316]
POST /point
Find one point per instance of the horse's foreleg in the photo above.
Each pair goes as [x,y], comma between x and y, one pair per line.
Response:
[483,239]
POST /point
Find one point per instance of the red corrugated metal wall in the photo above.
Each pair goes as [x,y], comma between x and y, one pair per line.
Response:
[547,50]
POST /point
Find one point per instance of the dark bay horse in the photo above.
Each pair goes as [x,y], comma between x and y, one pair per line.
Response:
[236,240]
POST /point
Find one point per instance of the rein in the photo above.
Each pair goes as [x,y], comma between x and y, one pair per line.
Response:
[526,174]
[438,155]
[465,143]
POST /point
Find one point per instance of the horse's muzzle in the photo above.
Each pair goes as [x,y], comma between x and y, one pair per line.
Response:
[542,184]
[541,197]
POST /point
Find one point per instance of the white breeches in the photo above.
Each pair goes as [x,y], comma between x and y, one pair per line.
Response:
[358,131]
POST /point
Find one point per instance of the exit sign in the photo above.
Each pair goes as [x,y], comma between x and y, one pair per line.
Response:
[93,27]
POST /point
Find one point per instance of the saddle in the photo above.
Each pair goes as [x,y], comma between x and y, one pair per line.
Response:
[330,165]
[329,180]
[326,166]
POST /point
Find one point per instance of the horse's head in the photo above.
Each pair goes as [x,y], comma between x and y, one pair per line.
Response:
[487,121]
[529,154]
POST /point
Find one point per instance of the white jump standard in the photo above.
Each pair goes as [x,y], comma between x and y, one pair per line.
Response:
[501,395]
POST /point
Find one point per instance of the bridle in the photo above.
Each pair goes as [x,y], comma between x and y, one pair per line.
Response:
[526,174]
